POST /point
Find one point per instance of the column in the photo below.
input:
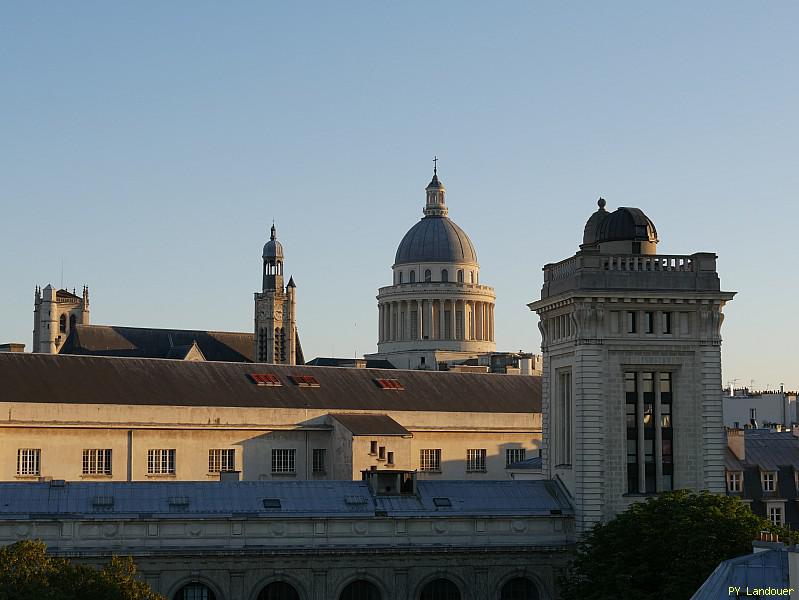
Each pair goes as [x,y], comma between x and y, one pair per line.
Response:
[379,323]
[492,323]
[441,322]
[392,321]
[478,321]
[419,319]
[658,436]
[639,421]
[431,335]
[464,320]
[452,321]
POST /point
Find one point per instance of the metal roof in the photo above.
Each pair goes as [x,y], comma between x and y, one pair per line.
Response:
[362,424]
[766,449]
[47,378]
[294,498]
[759,570]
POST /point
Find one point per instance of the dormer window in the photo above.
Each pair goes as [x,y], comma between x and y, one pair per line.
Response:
[769,481]
[734,481]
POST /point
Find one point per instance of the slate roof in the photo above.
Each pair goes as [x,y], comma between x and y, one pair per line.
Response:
[146,342]
[361,424]
[49,378]
[331,361]
[767,450]
[66,294]
[297,499]
[758,570]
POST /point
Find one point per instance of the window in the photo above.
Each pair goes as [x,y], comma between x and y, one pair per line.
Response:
[753,413]
[775,514]
[430,460]
[390,459]
[444,275]
[666,322]
[471,276]
[360,590]
[413,276]
[195,591]
[278,590]
[161,462]
[319,460]
[283,460]
[265,379]
[769,481]
[381,453]
[440,589]
[428,276]
[649,322]
[97,462]
[564,419]
[460,275]
[373,447]
[646,395]
[734,481]
[62,324]
[304,380]
[519,588]
[476,460]
[632,321]
[29,461]
[399,277]
[221,460]
[514,455]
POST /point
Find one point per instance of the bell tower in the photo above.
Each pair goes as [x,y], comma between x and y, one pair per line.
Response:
[275,309]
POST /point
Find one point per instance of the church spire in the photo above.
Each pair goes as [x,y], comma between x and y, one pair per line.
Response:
[435,207]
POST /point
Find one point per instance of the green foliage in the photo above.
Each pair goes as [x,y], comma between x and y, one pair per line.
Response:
[27,572]
[662,548]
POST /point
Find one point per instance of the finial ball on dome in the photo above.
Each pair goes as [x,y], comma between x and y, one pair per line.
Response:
[601,202]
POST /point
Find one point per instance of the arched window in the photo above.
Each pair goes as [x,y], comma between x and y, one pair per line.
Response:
[279,590]
[440,589]
[195,591]
[62,324]
[460,275]
[471,277]
[444,275]
[360,590]
[399,277]
[519,588]
[413,276]
[428,276]
[72,322]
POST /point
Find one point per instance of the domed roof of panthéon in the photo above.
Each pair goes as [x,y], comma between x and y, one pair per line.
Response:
[435,239]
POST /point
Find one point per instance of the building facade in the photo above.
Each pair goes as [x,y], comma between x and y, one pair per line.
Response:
[81,418]
[632,368]
[436,310]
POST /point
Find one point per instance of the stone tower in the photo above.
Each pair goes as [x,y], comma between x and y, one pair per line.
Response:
[55,314]
[632,368]
[275,310]
[436,309]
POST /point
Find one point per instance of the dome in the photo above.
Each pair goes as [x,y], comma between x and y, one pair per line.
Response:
[626,224]
[435,239]
[591,232]
[273,248]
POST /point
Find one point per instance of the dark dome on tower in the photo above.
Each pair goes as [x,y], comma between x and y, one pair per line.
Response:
[625,224]
[273,248]
[591,232]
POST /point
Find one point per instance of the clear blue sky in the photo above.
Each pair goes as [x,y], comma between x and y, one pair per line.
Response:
[148,146]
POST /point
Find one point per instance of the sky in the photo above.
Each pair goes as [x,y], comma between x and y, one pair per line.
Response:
[147,147]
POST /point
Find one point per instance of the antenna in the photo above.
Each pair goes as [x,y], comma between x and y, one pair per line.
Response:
[62,274]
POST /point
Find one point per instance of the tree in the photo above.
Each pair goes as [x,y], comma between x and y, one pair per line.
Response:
[27,572]
[662,548]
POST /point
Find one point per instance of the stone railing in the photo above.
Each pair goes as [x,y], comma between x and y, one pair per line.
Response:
[647,263]
[638,263]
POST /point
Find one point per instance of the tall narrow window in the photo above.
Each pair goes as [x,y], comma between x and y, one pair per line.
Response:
[444,275]
[775,515]
[649,322]
[428,276]
[62,324]
[631,403]
[319,460]
[632,321]
[648,383]
[564,455]
[666,430]
[412,276]
[666,322]
[399,277]
[460,275]
[734,481]
[648,416]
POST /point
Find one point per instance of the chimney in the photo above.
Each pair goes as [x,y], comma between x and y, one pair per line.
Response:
[735,442]
[12,347]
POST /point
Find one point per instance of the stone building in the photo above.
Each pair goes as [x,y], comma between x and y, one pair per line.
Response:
[306,540]
[632,368]
[436,310]
[55,315]
[82,418]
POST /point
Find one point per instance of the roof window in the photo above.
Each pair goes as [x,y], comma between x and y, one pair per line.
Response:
[304,380]
[265,379]
[389,384]
[442,502]
[272,503]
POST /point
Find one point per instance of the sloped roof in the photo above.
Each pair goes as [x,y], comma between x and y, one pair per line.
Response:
[758,570]
[55,378]
[147,342]
[361,424]
[767,450]
[297,499]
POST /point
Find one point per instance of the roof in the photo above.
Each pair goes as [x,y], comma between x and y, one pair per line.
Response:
[767,450]
[759,570]
[436,239]
[66,294]
[533,464]
[54,378]
[331,361]
[626,223]
[296,499]
[145,342]
[361,424]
